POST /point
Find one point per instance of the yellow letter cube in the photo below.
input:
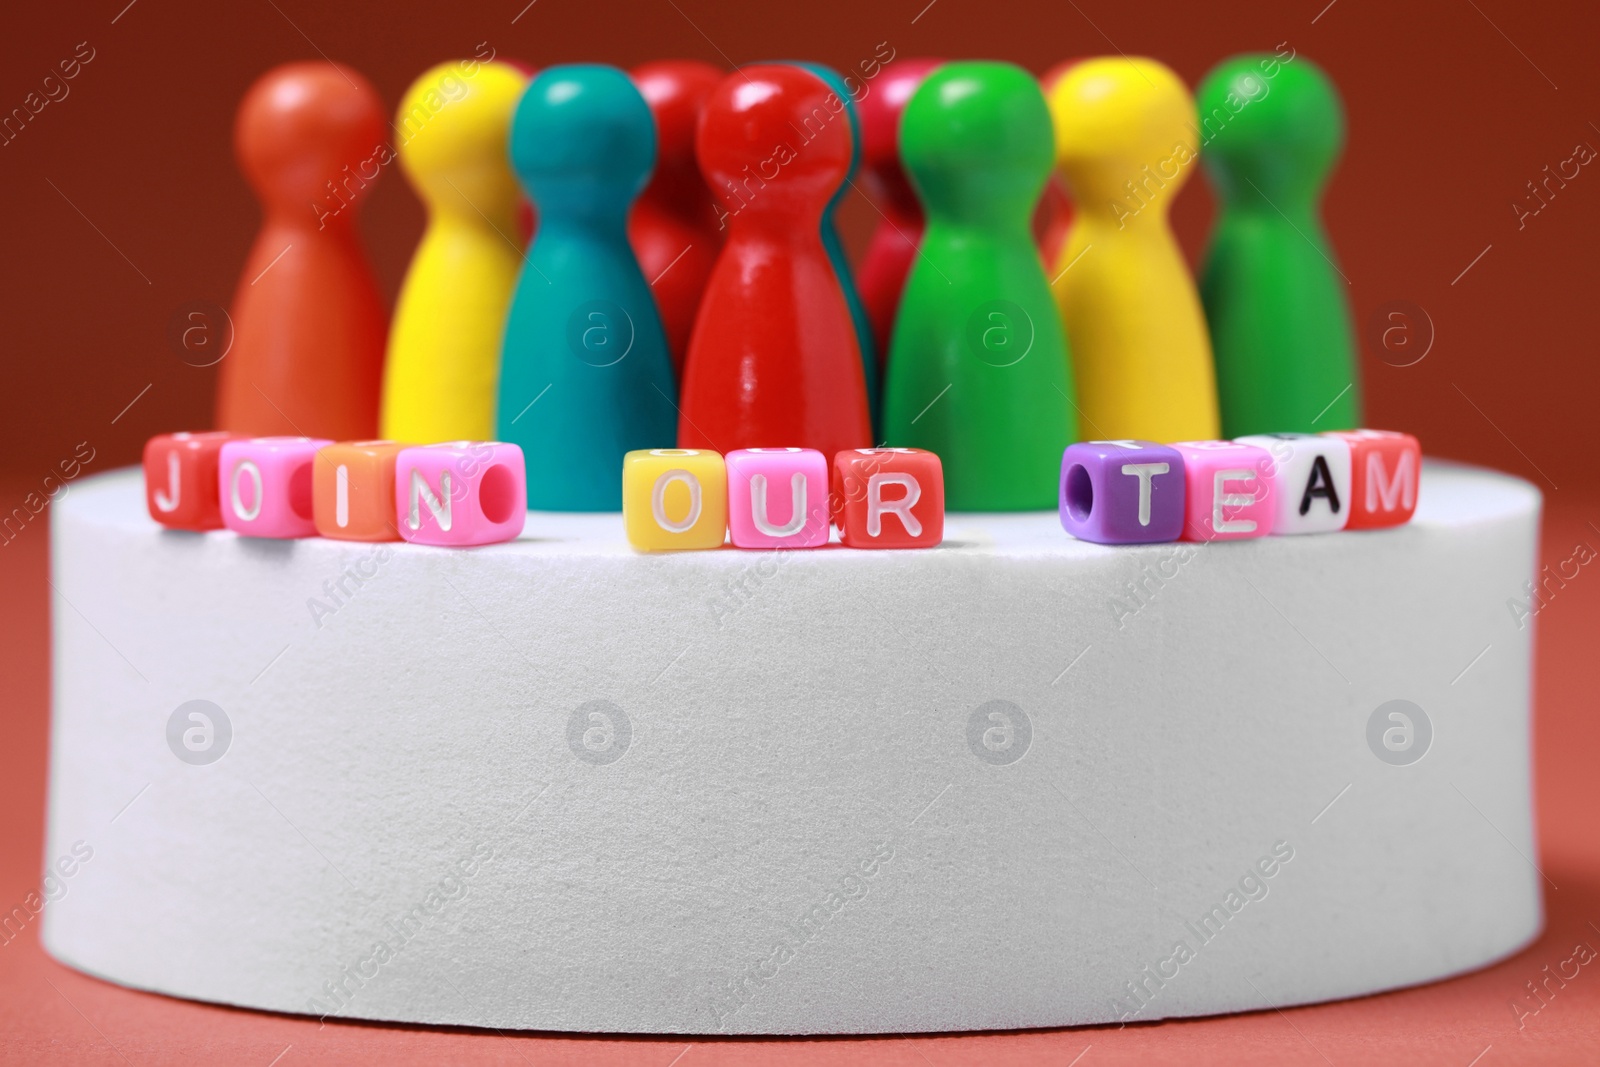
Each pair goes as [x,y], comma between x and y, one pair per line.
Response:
[674,499]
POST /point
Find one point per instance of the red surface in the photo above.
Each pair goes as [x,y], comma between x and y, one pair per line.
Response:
[774,361]
[673,227]
[309,324]
[51,1014]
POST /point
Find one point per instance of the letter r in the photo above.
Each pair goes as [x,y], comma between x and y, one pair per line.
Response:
[901,509]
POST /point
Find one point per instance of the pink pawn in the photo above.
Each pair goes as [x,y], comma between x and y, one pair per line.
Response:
[461,493]
[265,485]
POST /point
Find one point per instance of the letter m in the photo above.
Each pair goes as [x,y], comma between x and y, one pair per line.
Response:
[1396,491]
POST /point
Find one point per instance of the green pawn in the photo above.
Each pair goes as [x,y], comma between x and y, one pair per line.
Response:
[978,369]
[1280,321]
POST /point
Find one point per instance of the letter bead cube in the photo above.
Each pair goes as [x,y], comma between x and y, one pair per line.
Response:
[888,497]
[1310,477]
[460,493]
[1226,495]
[1122,492]
[1385,468]
[352,490]
[180,479]
[265,485]
[674,499]
[777,498]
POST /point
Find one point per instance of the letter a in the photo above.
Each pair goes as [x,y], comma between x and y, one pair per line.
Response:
[1319,484]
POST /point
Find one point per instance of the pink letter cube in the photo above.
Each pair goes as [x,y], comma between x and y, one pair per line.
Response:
[265,485]
[778,497]
[461,493]
[1228,496]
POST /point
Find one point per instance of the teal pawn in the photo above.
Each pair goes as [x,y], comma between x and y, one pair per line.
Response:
[835,246]
[585,376]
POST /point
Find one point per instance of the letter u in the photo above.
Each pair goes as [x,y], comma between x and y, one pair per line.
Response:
[760,514]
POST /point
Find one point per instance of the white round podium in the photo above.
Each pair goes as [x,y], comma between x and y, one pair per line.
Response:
[1015,781]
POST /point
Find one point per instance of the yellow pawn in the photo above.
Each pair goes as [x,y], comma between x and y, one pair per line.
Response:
[444,348]
[1125,143]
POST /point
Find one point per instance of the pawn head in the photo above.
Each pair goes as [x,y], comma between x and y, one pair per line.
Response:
[1121,120]
[885,101]
[300,125]
[676,90]
[841,89]
[583,135]
[976,140]
[1277,125]
[775,137]
[451,132]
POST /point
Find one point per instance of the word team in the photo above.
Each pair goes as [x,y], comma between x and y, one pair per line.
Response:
[1139,492]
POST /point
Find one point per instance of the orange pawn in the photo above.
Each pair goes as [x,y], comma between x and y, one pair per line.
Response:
[309,325]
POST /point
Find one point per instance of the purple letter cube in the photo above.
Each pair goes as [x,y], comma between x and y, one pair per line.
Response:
[1122,492]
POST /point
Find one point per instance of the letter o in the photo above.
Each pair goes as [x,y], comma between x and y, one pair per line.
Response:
[658,501]
[245,466]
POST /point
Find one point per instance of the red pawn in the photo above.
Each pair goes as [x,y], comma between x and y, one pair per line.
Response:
[1053,217]
[309,325]
[674,228]
[774,361]
[893,247]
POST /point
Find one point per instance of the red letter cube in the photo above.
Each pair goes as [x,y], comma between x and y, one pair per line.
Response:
[180,479]
[1385,468]
[888,498]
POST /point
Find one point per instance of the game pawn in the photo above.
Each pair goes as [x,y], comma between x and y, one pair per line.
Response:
[674,227]
[1052,218]
[835,243]
[309,325]
[893,245]
[444,349]
[585,375]
[979,372]
[1274,295]
[774,361]
[1125,144]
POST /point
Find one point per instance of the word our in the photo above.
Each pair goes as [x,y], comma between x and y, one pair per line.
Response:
[457,493]
[693,498]
[1140,492]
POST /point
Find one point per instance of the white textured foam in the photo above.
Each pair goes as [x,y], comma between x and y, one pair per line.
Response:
[799,836]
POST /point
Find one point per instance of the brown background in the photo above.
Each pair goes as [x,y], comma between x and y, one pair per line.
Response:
[121,203]
[1450,115]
